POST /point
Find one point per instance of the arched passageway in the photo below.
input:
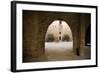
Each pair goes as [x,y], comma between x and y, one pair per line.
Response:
[58,41]
[35,31]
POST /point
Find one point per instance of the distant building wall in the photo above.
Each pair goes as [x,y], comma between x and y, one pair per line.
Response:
[59,30]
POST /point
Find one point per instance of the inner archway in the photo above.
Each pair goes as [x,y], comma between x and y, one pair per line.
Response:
[59,41]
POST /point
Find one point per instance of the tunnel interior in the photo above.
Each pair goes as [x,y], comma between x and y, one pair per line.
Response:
[58,41]
[35,28]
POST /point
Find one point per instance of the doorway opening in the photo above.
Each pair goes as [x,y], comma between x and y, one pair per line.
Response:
[59,41]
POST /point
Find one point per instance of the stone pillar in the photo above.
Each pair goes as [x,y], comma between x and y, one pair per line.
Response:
[32,40]
[82,34]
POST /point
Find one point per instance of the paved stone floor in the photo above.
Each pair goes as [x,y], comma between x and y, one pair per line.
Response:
[60,51]
[57,51]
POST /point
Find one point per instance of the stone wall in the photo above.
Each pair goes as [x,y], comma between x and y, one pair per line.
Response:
[84,24]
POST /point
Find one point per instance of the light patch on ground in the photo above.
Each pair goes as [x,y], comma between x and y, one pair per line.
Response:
[58,46]
[59,50]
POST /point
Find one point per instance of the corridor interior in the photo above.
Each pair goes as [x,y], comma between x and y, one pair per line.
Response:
[56,36]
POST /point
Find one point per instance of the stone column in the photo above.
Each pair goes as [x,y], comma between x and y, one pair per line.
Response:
[32,44]
[82,34]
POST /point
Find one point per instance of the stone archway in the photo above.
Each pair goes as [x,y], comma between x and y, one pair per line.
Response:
[58,48]
[49,20]
[36,23]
